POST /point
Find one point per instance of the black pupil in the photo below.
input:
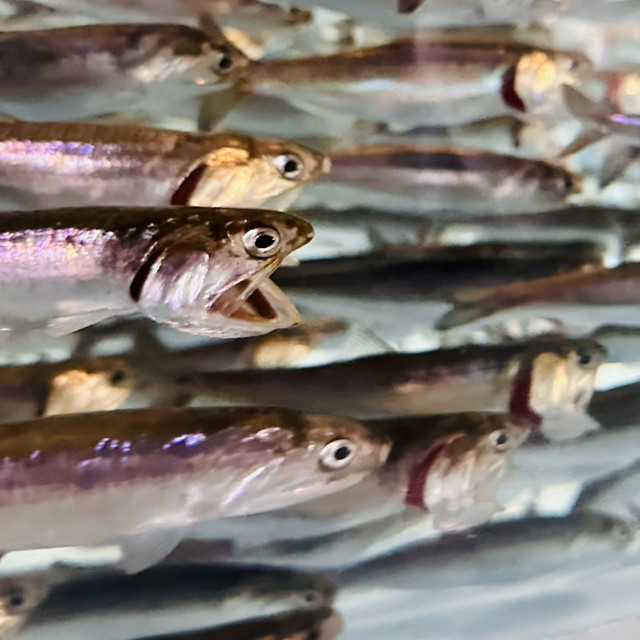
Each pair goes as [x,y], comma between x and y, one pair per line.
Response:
[16,600]
[117,377]
[225,62]
[342,453]
[568,182]
[264,241]
[585,358]
[313,635]
[502,439]
[291,166]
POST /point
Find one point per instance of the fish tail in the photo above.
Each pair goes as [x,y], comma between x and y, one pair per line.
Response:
[465,313]
[583,108]
[408,6]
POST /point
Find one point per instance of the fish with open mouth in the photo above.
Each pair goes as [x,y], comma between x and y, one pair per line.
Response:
[203,271]
[75,164]
[89,70]
[414,82]
[141,479]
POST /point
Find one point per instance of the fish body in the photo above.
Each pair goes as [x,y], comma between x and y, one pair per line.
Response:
[618,286]
[417,82]
[170,600]
[446,466]
[88,70]
[537,378]
[76,164]
[118,476]
[423,179]
[198,270]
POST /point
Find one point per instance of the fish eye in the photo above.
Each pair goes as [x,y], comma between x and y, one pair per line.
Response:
[118,377]
[499,440]
[225,63]
[289,165]
[568,183]
[584,358]
[16,598]
[261,242]
[337,454]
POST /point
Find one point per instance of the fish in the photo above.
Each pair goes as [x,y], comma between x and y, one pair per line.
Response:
[446,466]
[87,70]
[176,600]
[502,576]
[493,554]
[86,384]
[78,164]
[590,286]
[140,479]
[323,624]
[364,231]
[203,271]
[415,82]
[544,378]
[421,179]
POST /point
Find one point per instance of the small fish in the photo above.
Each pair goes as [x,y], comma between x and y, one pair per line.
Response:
[418,82]
[323,624]
[141,479]
[76,164]
[595,286]
[448,466]
[501,574]
[175,600]
[531,379]
[198,270]
[420,179]
[83,71]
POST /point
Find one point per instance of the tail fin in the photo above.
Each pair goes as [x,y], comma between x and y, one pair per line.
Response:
[594,114]
[615,164]
[464,313]
[408,6]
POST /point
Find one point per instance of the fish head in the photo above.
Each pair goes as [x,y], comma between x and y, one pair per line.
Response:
[322,455]
[456,479]
[539,77]
[563,379]
[211,276]
[247,172]
[554,182]
[19,597]
[190,56]
[103,386]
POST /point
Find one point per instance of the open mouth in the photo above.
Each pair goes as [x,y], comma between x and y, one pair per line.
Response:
[251,302]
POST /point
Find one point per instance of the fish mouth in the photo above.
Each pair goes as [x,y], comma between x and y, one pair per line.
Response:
[254,302]
[418,479]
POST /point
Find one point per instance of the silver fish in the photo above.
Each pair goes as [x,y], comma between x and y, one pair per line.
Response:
[122,477]
[448,466]
[198,270]
[83,71]
[542,380]
[411,178]
[598,286]
[171,600]
[416,82]
[75,164]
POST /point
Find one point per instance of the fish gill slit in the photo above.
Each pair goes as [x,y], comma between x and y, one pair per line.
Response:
[415,491]
[508,90]
[183,193]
